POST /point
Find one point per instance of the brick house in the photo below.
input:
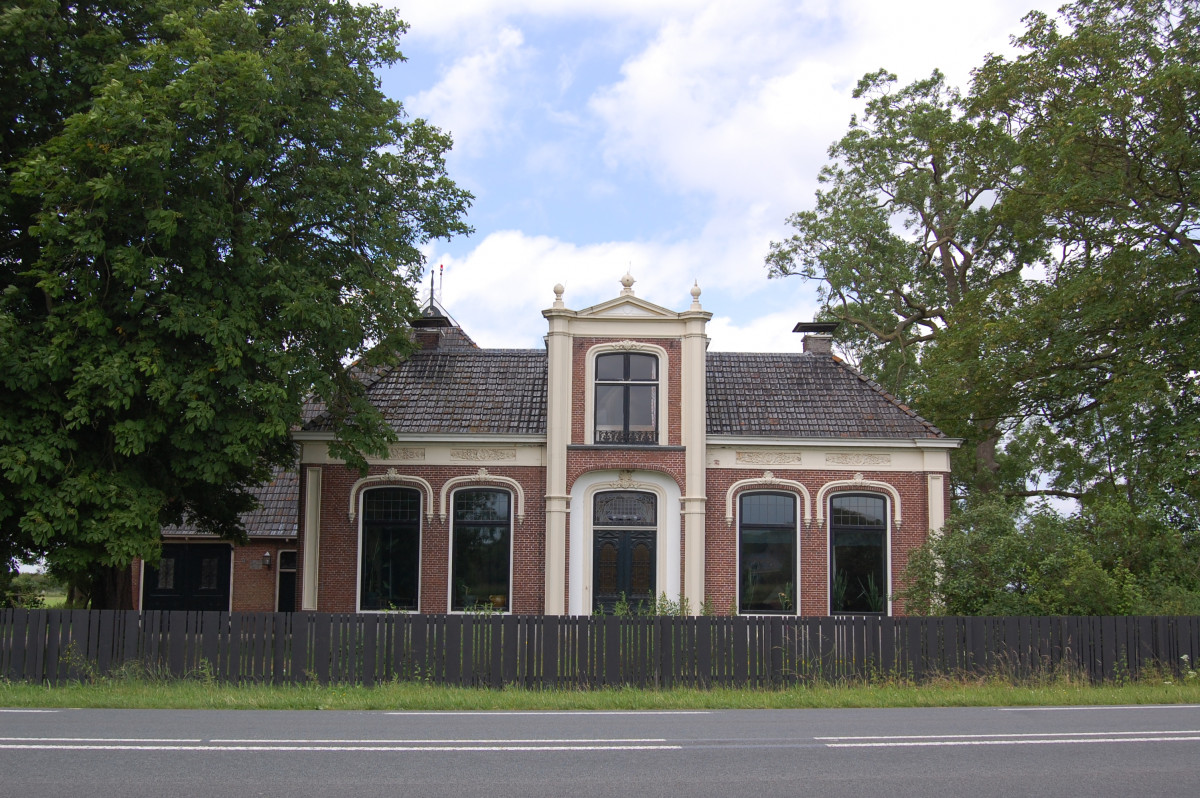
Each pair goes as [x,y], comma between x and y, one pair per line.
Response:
[620,463]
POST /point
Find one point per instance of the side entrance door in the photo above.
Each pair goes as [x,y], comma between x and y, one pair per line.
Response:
[188,577]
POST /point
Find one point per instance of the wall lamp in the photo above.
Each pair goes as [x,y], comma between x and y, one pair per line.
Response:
[266,560]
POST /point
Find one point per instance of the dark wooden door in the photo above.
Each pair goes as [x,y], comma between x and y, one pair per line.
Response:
[188,577]
[623,565]
[285,598]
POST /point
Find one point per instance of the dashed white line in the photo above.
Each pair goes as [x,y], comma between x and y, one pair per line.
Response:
[102,739]
[589,712]
[432,741]
[343,748]
[1062,741]
[1005,735]
[1097,707]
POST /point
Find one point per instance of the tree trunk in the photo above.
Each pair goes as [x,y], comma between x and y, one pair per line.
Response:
[112,587]
[985,461]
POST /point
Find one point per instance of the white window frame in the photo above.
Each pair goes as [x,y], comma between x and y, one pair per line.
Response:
[358,554]
[448,507]
[620,347]
[827,497]
[801,505]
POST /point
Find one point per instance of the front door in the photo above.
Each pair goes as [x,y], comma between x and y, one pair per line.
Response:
[623,568]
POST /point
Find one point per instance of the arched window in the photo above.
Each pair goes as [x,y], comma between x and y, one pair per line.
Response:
[390,554]
[858,553]
[767,553]
[624,535]
[482,553]
[626,407]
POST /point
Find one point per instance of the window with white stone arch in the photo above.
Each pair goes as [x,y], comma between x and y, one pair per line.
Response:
[858,553]
[481,550]
[626,397]
[389,550]
[768,549]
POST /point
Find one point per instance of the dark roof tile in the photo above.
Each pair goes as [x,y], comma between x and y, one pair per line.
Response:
[802,396]
[278,502]
[461,390]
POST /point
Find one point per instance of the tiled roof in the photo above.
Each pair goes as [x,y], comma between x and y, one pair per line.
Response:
[462,390]
[802,396]
[466,390]
[278,501]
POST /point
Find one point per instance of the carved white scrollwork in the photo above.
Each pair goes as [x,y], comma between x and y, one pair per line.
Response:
[768,480]
[769,458]
[859,482]
[857,459]
[483,475]
[477,455]
[395,477]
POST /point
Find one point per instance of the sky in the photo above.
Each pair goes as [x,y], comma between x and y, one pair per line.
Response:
[667,138]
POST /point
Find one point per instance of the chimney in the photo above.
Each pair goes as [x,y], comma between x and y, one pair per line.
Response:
[818,336]
[429,327]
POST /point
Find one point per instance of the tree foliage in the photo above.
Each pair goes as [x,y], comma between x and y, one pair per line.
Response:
[206,211]
[1022,265]
[911,249]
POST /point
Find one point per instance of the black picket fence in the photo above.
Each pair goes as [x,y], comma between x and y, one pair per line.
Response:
[538,651]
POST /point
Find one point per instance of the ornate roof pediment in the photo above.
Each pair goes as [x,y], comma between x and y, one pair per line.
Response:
[628,307]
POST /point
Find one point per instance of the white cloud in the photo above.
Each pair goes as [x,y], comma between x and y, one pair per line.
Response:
[731,104]
[740,102]
[471,99]
[450,19]
[498,290]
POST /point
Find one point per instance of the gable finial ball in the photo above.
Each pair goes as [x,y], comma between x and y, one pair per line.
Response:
[627,284]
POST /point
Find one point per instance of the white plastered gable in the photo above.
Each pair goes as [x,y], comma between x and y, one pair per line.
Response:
[626,307]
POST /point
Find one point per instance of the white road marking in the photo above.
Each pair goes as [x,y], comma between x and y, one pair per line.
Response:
[1092,707]
[343,748]
[432,741]
[31,710]
[1007,735]
[103,739]
[494,713]
[1063,741]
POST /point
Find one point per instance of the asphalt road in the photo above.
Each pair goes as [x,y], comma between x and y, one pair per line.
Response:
[1085,751]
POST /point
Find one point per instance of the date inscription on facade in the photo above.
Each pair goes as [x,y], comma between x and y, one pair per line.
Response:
[769,458]
[857,459]
[483,455]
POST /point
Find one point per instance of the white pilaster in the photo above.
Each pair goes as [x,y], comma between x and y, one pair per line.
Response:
[312,538]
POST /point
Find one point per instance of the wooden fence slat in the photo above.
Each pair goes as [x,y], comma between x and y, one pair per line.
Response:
[703,649]
[322,630]
[741,653]
[370,647]
[35,654]
[511,625]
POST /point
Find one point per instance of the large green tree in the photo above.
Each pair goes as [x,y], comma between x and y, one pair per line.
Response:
[1062,193]
[207,210]
[1104,104]
[913,249]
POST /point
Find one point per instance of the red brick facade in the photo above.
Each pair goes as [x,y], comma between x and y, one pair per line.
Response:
[668,378]
[339,535]
[519,393]
[721,536]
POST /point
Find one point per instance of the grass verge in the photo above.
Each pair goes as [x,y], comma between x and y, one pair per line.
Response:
[135,693]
